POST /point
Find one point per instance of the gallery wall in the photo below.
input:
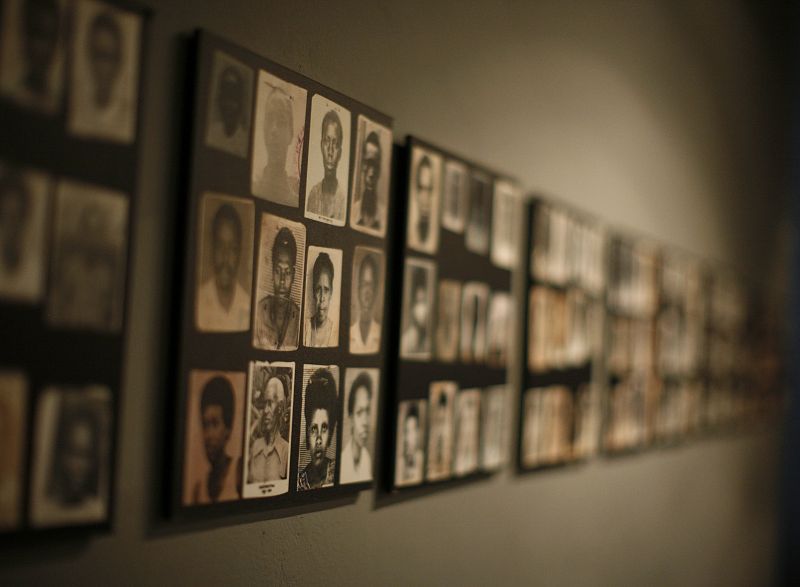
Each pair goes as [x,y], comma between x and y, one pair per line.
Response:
[660,117]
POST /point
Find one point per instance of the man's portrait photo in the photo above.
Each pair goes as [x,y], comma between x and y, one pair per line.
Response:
[369,200]
[409,460]
[500,324]
[419,282]
[448,320]
[475,300]
[230,105]
[423,200]
[279,130]
[454,196]
[212,463]
[328,168]
[506,226]
[13,417]
[268,447]
[318,418]
[479,214]
[225,264]
[104,87]
[441,405]
[358,431]
[32,53]
[467,436]
[90,241]
[323,297]
[71,458]
[495,411]
[366,300]
[24,197]
[279,287]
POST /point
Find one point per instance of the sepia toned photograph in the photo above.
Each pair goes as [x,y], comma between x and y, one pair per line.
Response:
[316,463]
[279,284]
[416,322]
[448,319]
[13,418]
[323,297]
[474,305]
[71,456]
[279,130]
[268,443]
[104,87]
[467,436]
[358,431]
[441,407]
[212,460]
[366,300]
[455,194]
[32,53]
[24,204]
[495,412]
[506,228]
[369,200]
[230,105]
[90,240]
[409,460]
[225,264]
[476,237]
[425,185]
[500,325]
[328,168]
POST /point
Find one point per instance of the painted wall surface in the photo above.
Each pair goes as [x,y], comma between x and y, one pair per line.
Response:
[663,117]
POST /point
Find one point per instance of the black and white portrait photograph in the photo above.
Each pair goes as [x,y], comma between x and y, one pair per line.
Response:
[279,130]
[323,297]
[474,305]
[424,185]
[479,214]
[328,168]
[32,53]
[506,225]
[90,241]
[104,83]
[212,461]
[495,411]
[225,264]
[454,196]
[369,201]
[419,282]
[316,463]
[71,459]
[358,430]
[366,300]
[448,320]
[268,445]
[279,285]
[24,203]
[230,105]
[441,408]
[409,457]
[13,418]
[467,435]
[500,329]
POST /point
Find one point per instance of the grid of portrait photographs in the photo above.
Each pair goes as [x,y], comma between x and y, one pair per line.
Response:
[561,407]
[280,354]
[460,243]
[70,85]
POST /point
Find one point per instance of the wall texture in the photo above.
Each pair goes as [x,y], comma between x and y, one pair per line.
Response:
[662,117]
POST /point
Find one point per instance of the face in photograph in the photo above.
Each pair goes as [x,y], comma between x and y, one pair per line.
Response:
[455,194]
[419,279]
[71,456]
[447,322]
[366,305]
[506,234]
[468,408]
[479,215]
[473,322]
[500,324]
[230,105]
[280,284]
[323,297]
[104,91]
[214,427]
[370,189]
[90,240]
[494,423]
[441,405]
[317,462]
[423,200]
[279,130]
[24,199]
[358,434]
[409,457]
[269,429]
[32,53]
[13,400]
[225,264]
[328,162]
